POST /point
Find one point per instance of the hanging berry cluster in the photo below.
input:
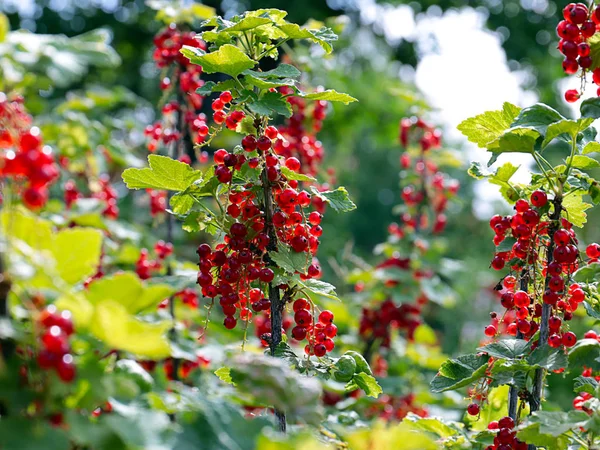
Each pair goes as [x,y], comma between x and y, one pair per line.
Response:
[181,78]
[577,32]
[104,192]
[425,195]
[299,133]
[23,157]
[538,247]
[55,353]
[237,270]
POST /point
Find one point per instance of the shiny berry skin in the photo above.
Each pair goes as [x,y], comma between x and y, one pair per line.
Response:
[299,333]
[271,132]
[326,317]
[230,322]
[539,199]
[562,237]
[66,369]
[225,97]
[473,409]
[593,251]
[554,340]
[569,339]
[506,422]
[301,303]
[264,143]
[249,143]
[570,66]
[302,317]
[320,350]
[521,299]
[490,331]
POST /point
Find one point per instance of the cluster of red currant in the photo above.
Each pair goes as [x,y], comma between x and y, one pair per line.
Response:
[378,323]
[23,157]
[579,26]
[506,435]
[145,267]
[431,186]
[104,192]
[396,408]
[531,240]
[427,190]
[55,353]
[319,335]
[299,133]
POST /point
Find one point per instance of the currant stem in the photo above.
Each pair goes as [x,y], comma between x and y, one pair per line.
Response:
[538,383]
[277,303]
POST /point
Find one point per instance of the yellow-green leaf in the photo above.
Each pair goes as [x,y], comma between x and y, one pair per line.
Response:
[574,209]
[163,173]
[485,128]
[77,252]
[113,324]
[228,59]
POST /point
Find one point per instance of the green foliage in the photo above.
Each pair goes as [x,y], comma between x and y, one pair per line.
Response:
[163,173]
[459,372]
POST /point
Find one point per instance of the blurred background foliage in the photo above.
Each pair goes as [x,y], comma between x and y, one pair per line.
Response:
[375,61]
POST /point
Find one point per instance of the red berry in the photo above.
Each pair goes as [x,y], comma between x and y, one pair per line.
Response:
[225,97]
[326,317]
[473,409]
[539,199]
[569,339]
[490,331]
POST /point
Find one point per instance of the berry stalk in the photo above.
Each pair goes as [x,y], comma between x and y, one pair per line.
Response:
[277,302]
[536,397]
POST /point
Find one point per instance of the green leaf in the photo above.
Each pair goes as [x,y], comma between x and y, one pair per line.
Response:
[268,84]
[515,140]
[281,71]
[532,435]
[321,288]
[338,199]
[594,43]
[512,373]
[288,259]
[583,162]
[270,381]
[574,209]
[164,173]
[291,175]
[555,423]
[323,37]
[506,245]
[132,369]
[434,425]
[586,352]
[365,382]
[31,434]
[77,253]
[500,177]
[4,27]
[590,108]
[549,358]
[538,117]
[507,348]
[329,95]
[489,126]
[139,427]
[588,273]
[586,384]
[591,147]
[269,103]
[209,87]
[592,310]
[181,203]
[228,59]
[569,127]
[129,291]
[459,372]
[224,374]
[114,325]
